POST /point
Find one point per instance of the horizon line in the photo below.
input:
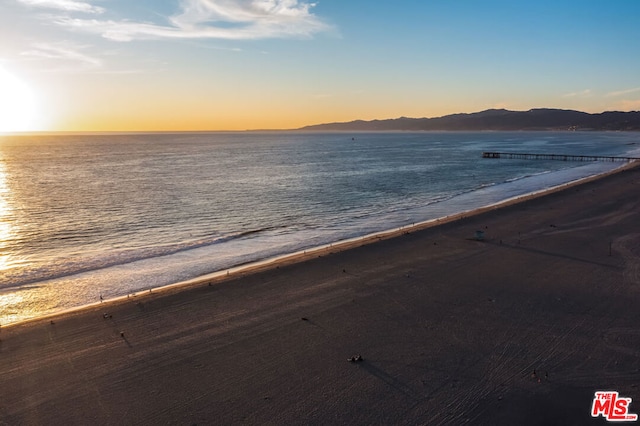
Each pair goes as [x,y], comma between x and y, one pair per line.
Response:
[301,129]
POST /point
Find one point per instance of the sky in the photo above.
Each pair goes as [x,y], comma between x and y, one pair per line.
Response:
[162,65]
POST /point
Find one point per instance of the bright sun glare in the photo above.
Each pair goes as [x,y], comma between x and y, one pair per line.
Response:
[17,104]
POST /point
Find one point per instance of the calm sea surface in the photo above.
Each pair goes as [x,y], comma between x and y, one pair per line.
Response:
[84,216]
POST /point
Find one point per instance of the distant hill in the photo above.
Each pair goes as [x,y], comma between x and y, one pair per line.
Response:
[497,119]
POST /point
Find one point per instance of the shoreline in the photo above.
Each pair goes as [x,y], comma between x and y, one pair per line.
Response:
[346,244]
[340,245]
[520,328]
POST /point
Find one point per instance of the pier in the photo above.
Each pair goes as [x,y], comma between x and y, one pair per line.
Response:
[559,157]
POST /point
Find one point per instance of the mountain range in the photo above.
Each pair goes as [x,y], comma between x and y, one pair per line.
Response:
[497,119]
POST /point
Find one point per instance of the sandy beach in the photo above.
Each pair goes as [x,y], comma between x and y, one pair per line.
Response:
[519,328]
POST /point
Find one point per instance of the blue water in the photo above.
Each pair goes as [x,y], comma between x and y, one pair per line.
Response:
[84,216]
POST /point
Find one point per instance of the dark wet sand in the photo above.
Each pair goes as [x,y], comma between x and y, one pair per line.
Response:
[450,329]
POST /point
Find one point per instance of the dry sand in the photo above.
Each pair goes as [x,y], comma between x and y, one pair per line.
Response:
[450,330]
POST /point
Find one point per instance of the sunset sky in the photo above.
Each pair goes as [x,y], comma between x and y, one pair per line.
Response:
[125,65]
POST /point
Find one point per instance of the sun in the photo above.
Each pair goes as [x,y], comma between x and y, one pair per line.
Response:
[17,104]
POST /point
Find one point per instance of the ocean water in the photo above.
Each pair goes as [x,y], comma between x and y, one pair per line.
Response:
[108,215]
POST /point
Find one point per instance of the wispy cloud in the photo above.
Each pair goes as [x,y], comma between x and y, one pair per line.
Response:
[213,19]
[623,92]
[66,5]
[66,56]
[581,94]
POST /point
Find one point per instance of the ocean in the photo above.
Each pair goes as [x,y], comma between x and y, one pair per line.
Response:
[90,216]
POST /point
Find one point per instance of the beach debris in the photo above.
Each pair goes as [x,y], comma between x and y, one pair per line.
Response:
[51,322]
[479,235]
[122,334]
[304,319]
[355,358]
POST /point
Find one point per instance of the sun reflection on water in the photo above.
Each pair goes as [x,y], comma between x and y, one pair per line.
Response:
[6,211]
[11,307]
[9,302]
[26,302]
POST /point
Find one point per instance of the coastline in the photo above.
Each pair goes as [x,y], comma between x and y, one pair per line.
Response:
[302,255]
[520,328]
[215,232]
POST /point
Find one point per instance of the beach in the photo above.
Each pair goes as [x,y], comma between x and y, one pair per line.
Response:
[519,327]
